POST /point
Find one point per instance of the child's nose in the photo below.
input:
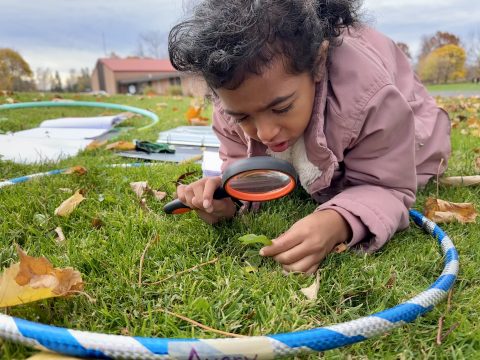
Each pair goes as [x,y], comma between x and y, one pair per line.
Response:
[267,130]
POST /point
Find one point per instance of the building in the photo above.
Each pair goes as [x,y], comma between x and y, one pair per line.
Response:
[135,75]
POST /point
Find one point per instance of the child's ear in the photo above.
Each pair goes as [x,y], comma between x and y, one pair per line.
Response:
[320,66]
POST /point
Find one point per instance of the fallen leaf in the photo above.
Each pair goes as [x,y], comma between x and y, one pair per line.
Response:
[193,112]
[255,239]
[477,164]
[67,207]
[340,248]
[79,170]
[159,195]
[35,279]
[96,144]
[311,292]
[391,281]
[442,211]
[139,187]
[121,145]
[144,206]
[97,223]
[60,236]
[46,355]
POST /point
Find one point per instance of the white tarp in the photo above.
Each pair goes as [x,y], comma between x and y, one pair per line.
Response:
[99,122]
[38,150]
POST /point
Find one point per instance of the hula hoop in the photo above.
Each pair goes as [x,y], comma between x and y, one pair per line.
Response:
[98,345]
[152,116]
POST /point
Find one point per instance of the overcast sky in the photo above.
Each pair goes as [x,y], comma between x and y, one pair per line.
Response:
[66,34]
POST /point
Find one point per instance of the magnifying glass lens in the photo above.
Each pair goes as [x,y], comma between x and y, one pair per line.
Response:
[260,185]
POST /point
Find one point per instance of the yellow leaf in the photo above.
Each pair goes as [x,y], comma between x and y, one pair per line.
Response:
[35,279]
[121,145]
[340,248]
[45,355]
[67,207]
[79,170]
[442,211]
[95,144]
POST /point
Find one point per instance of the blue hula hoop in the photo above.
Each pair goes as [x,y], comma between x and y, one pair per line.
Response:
[152,116]
[89,344]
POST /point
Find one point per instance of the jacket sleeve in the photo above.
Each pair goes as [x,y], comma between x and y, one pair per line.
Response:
[379,172]
[233,146]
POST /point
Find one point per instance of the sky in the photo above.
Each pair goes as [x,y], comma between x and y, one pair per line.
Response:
[73,34]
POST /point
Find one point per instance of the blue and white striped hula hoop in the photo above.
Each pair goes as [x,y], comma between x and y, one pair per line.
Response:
[97,345]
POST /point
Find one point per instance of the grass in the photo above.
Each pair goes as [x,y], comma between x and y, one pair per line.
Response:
[222,295]
[468,86]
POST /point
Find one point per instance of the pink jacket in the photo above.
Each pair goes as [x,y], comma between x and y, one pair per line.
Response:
[375,134]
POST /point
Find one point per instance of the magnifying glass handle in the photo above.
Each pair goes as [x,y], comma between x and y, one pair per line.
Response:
[177,207]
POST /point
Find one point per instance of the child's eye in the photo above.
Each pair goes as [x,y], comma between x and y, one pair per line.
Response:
[284,110]
[238,121]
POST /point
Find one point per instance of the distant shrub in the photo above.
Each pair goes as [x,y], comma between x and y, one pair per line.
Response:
[175,90]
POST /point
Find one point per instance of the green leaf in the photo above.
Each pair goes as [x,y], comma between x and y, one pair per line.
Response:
[255,239]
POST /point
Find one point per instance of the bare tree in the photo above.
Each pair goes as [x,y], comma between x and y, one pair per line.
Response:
[43,77]
[152,44]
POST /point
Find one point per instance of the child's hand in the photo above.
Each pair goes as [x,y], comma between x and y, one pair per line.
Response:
[304,246]
[199,197]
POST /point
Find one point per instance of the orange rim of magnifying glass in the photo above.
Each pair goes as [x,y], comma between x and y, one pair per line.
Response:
[270,195]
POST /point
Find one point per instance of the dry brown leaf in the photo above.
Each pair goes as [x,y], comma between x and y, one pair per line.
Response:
[159,195]
[477,164]
[46,355]
[311,292]
[60,236]
[139,188]
[121,145]
[97,223]
[96,144]
[35,279]
[340,248]
[442,211]
[79,170]
[67,207]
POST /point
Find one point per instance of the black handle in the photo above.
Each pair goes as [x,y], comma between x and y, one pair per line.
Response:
[177,207]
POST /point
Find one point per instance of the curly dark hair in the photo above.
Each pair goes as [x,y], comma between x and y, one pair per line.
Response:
[224,40]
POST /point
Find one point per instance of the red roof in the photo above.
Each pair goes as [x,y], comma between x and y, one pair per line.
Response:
[140,65]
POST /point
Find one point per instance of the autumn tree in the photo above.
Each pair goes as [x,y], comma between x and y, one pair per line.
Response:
[431,43]
[446,63]
[15,73]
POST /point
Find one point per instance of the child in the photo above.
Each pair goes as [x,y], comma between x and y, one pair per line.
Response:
[304,81]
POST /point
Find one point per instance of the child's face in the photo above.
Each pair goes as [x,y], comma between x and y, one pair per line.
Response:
[274,107]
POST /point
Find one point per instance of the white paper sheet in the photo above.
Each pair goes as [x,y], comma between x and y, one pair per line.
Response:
[38,150]
[61,133]
[98,122]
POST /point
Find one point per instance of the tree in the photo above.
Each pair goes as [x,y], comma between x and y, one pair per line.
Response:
[441,38]
[152,44]
[406,50]
[446,63]
[56,84]
[44,78]
[15,73]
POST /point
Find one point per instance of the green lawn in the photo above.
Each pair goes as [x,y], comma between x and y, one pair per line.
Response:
[469,86]
[222,295]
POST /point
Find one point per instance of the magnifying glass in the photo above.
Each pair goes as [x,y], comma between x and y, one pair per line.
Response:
[260,178]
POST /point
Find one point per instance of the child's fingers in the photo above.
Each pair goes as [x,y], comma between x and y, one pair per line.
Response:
[281,244]
[210,186]
[306,265]
[293,255]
